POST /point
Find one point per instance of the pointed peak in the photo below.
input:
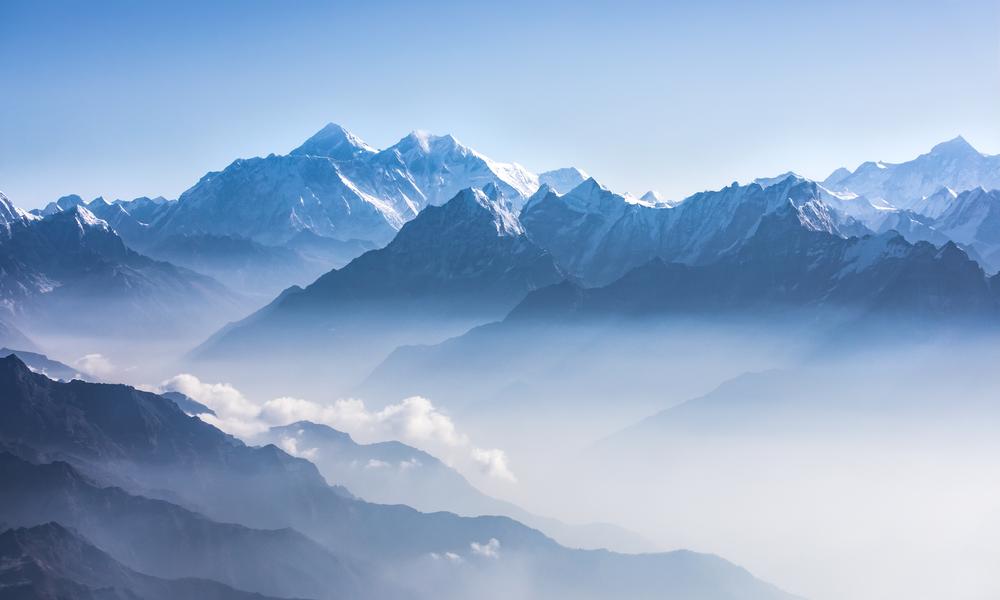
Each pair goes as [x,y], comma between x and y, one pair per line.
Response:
[427,142]
[652,196]
[333,141]
[83,217]
[300,427]
[956,145]
[11,364]
[765,182]
[472,204]
[493,192]
[588,187]
[563,180]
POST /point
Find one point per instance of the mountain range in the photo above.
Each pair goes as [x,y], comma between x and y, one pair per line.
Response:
[69,271]
[453,266]
[244,224]
[110,458]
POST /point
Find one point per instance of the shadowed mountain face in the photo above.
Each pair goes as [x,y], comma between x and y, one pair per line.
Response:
[599,236]
[786,266]
[71,263]
[50,562]
[452,267]
[149,446]
[52,369]
[165,540]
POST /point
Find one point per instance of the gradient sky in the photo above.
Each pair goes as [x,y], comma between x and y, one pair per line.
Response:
[123,99]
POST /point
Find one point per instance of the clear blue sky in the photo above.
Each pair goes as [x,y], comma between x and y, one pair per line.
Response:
[142,98]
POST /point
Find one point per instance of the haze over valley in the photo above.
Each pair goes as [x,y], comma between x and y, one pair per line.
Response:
[427,369]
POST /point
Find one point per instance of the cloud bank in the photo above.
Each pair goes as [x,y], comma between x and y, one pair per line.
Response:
[415,421]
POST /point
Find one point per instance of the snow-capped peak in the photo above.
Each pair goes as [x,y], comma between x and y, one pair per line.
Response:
[955,146]
[335,142]
[11,215]
[563,180]
[428,143]
[492,200]
[83,218]
[769,181]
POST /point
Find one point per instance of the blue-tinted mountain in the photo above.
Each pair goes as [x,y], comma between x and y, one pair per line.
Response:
[598,235]
[51,562]
[162,539]
[188,404]
[53,369]
[145,442]
[783,276]
[954,164]
[455,265]
[336,186]
[68,264]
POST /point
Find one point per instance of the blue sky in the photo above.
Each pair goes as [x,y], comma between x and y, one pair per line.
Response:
[142,98]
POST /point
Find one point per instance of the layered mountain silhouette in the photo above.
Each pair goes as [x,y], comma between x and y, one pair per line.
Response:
[51,562]
[147,446]
[70,263]
[454,266]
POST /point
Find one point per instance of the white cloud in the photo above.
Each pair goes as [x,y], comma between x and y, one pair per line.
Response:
[95,364]
[493,462]
[448,556]
[490,549]
[376,464]
[233,412]
[291,446]
[409,464]
[414,420]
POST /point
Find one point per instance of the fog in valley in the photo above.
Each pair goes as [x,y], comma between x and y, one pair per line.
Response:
[844,459]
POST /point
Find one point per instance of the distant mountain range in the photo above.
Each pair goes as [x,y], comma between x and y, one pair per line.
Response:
[157,488]
[50,562]
[774,248]
[453,266]
[243,225]
[69,271]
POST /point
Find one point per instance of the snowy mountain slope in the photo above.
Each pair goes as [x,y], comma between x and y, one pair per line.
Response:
[973,218]
[463,262]
[337,186]
[562,180]
[70,263]
[598,235]
[118,435]
[954,164]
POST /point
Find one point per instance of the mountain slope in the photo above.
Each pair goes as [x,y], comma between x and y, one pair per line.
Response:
[599,236]
[147,442]
[50,562]
[784,278]
[336,186]
[455,265]
[954,164]
[165,540]
[71,263]
[53,369]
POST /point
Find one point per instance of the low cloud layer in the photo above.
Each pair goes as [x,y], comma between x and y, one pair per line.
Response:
[415,421]
[95,364]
